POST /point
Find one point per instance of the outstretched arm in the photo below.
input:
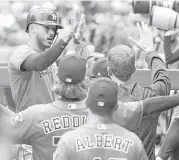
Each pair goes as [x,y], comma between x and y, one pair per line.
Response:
[161,84]
[160,104]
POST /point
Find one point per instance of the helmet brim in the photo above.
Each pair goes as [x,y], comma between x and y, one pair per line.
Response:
[46,24]
[50,24]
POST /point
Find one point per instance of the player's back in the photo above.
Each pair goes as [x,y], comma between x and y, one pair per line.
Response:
[51,122]
[101,142]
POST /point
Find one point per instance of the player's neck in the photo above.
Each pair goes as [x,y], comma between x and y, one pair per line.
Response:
[118,81]
[95,119]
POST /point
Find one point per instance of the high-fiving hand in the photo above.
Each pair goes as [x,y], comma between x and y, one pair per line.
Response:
[146,40]
[77,28]
[79,21]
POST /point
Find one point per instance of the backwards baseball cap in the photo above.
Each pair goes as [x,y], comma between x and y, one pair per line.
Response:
[102,96]
[100,68]
[72,69]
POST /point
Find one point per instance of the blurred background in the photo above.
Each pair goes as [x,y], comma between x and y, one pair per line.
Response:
[108,23]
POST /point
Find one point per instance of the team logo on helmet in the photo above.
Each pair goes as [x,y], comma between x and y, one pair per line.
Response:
[52,17]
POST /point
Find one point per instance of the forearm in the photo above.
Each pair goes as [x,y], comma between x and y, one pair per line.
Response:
[174,57]
[169,56]
[160,104]
[46,58]
[171,141]
[167,49]
[161,82]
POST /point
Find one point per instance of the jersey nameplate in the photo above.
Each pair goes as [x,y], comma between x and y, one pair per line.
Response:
[63,122]
[106,141]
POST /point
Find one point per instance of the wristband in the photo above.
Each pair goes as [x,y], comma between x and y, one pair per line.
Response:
[150,54]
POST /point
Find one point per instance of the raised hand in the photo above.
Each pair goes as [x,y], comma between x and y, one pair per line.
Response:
[146,40]
[80,20]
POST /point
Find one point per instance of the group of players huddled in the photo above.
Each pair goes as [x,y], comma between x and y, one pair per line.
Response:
[81,107]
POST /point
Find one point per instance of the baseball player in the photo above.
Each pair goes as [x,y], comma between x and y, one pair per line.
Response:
[31,66]
[42,125]
[101,138]
[121,64]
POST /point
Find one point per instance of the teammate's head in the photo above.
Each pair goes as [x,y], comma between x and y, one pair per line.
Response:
[121,62]
[102,96]
[42,25]
[71,73]
[99,68]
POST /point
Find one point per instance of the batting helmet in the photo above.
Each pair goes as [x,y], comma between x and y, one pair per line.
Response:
[42,16]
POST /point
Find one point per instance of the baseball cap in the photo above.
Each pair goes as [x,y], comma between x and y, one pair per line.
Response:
[72,69]
[102,96]
[100,68]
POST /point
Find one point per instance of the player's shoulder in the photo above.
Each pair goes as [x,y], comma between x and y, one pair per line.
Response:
[21,50]
[73,134]
[69,105]
[69,136]
[130,105]
[36,110]
[131,135]
[127,136]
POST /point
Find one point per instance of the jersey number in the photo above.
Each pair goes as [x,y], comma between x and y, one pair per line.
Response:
[55,140]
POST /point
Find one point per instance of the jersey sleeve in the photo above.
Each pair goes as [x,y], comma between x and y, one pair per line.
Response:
[129,115]
[63,150]
[19,56]
[140,153]
[22,125]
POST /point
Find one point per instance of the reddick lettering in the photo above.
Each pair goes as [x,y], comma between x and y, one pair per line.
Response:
[63,122]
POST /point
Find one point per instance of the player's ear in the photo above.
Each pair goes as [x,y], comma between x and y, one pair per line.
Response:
[32,29]
[115,107]
[109,71]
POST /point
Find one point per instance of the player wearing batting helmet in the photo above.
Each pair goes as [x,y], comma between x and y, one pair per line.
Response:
[31,66]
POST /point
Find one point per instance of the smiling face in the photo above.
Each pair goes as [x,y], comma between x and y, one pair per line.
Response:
[44,35]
